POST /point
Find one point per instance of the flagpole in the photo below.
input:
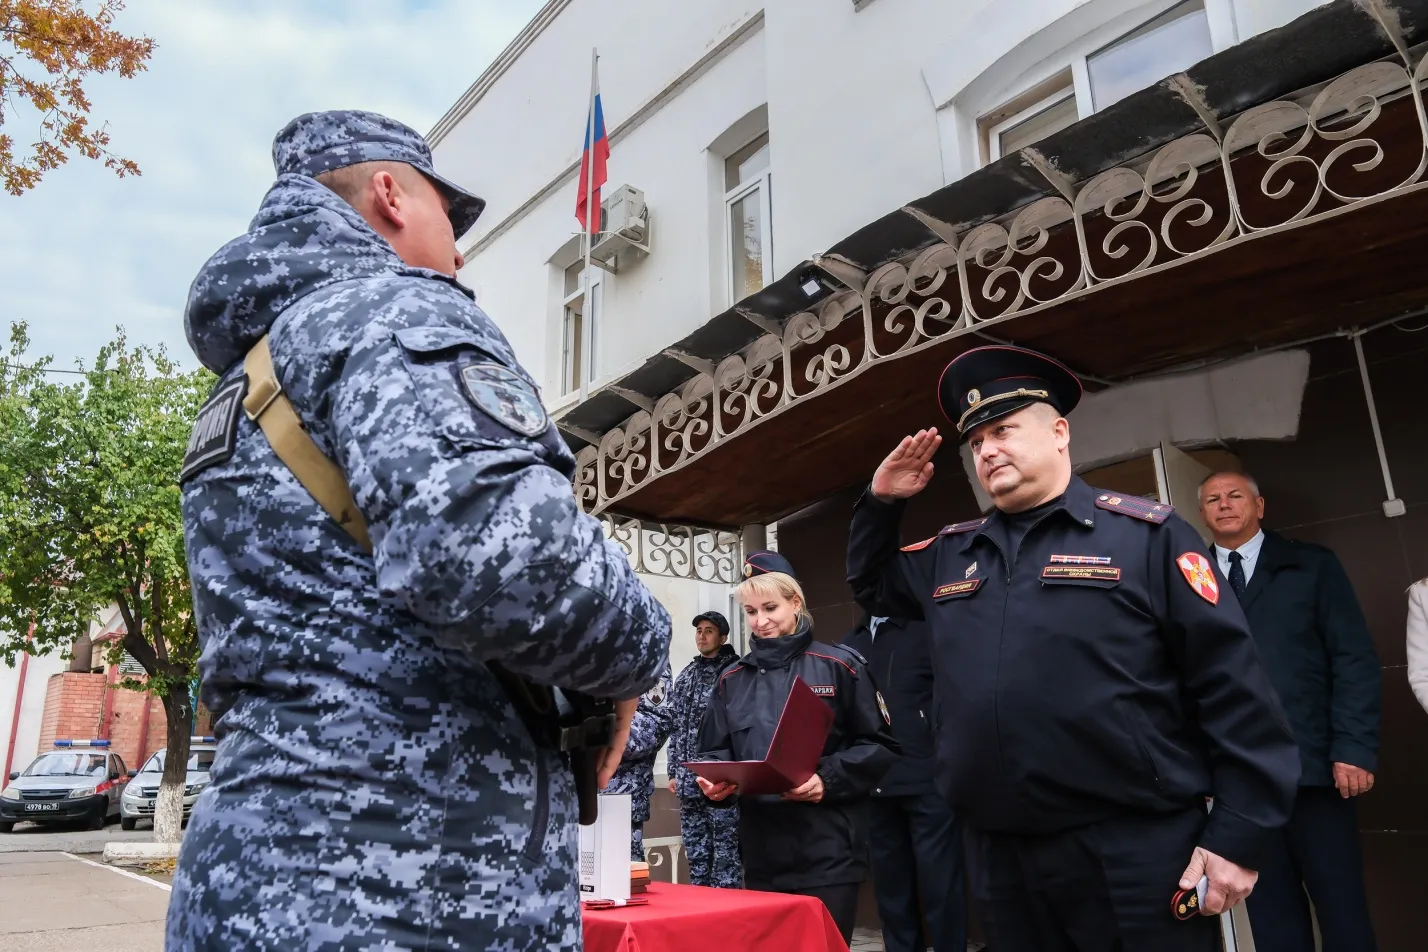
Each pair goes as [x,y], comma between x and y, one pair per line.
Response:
[592,216]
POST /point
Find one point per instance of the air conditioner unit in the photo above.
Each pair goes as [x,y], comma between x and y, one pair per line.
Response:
[625,231]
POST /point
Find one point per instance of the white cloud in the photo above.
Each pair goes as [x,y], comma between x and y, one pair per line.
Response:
[86,251]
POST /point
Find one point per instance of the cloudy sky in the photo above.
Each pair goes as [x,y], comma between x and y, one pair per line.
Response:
[86,251]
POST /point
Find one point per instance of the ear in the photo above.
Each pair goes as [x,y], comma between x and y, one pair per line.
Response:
[389,200]
[1062,429]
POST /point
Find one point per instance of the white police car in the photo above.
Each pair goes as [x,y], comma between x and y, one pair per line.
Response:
[78,780]
[142,793]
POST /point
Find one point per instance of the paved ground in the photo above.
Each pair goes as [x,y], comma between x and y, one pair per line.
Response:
[71,838]
[59,902]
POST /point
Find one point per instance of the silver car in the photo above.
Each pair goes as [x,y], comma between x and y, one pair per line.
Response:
[143,791]
[78,780]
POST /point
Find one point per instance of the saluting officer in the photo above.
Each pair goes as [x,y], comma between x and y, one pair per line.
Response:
[1093,683]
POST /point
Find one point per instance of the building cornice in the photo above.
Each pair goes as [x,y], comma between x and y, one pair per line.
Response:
[495,71]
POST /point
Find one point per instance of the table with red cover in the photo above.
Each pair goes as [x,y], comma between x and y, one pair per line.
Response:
[700,919]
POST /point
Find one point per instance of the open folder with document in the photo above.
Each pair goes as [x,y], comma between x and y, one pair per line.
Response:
[793,753]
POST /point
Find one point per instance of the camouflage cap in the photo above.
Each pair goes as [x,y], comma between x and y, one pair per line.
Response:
[318,142]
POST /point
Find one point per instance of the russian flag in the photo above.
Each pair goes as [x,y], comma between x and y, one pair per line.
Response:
[597,149]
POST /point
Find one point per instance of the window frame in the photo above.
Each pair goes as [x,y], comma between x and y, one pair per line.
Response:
[1074,56]
[763,184]
[589,342]
[992,145]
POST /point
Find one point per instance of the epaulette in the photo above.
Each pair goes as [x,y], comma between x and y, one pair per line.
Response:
[1135,506]
[833,653]
[946,530]
[857,655]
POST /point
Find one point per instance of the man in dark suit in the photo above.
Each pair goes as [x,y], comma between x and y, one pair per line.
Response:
[914,837]
[1316,647]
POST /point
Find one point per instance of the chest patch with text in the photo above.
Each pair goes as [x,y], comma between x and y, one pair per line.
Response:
[957,588]
[1100,573]
[822,690]
[215,432]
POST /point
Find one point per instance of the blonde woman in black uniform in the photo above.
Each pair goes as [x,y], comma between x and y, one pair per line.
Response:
[811,840]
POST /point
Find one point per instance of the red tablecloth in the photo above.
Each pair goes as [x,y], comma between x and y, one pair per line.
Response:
[698,919]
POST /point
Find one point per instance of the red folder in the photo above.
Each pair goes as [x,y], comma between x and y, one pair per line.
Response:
[793,753]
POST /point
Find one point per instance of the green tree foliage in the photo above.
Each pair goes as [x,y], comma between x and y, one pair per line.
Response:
[89,515]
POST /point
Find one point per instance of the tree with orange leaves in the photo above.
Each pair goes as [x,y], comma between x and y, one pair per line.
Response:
[47,50]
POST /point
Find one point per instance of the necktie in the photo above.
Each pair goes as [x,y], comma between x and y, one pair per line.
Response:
[1237,575]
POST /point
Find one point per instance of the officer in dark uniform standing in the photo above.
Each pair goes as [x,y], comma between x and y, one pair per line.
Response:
[811,840]
[1093,686]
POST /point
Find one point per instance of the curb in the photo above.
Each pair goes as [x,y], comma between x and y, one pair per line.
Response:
[137,854]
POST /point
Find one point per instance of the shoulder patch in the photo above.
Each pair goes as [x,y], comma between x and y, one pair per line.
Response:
[967,526]
[215,432]
[505,396]
[1135,506]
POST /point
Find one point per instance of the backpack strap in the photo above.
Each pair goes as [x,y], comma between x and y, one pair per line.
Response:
[267,406]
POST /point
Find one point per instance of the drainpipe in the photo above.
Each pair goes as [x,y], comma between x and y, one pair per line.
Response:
[19,696]
[1392,505]
[144,732]
[108,705]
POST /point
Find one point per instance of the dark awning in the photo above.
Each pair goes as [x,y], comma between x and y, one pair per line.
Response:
[1056,247]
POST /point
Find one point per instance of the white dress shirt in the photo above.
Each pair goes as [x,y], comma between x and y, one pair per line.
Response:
[1249,556]
[1418,641]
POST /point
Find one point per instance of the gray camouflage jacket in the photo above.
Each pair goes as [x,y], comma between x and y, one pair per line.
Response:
[687,702]
[648,730]
[373,786]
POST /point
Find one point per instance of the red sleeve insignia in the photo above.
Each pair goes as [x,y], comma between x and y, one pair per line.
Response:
[919,546]
[1196,569]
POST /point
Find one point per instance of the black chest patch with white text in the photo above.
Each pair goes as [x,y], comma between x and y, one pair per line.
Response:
[215,432]
[822,690]
[1098,573]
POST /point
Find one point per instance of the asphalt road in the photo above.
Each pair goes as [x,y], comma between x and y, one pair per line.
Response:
[60,902]
[69,838]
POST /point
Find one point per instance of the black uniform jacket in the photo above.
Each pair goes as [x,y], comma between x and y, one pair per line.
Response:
[1319,654]
[1086,676]
[788,844]
[900,661]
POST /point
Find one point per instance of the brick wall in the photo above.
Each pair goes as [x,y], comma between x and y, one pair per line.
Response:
[74,709]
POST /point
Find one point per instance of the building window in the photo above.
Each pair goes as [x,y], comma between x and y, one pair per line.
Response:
[1176,40]
[1098,74]
[748,218]
[1029,118]
[575,336]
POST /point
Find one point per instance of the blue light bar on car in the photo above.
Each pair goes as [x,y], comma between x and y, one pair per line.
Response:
[81,743]
[203,740]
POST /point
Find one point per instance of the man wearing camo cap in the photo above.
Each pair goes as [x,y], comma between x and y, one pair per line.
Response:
[373,787]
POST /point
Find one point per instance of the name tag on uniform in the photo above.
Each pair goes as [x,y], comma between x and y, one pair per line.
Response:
[957,588]
[822,690]
[1100,573]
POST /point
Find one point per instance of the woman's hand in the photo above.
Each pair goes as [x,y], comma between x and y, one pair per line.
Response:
[717,791]
[810,791]
[671,786]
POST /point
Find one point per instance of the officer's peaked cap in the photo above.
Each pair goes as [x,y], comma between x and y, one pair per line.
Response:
[318,142]
[763,562]
[990,382]
[715,619]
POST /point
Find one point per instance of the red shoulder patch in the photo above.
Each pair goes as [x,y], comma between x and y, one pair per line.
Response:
[919,546]
[1196,569]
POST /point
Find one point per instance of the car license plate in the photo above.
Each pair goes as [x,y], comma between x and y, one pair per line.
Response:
[152,804]
[38,807]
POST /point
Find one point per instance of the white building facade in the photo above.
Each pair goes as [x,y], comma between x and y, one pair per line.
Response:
[758,134]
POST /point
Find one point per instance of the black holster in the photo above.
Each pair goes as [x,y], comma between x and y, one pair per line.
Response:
[568,722]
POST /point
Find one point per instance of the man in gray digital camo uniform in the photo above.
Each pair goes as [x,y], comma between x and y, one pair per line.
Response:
[374,788]
[635,775]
